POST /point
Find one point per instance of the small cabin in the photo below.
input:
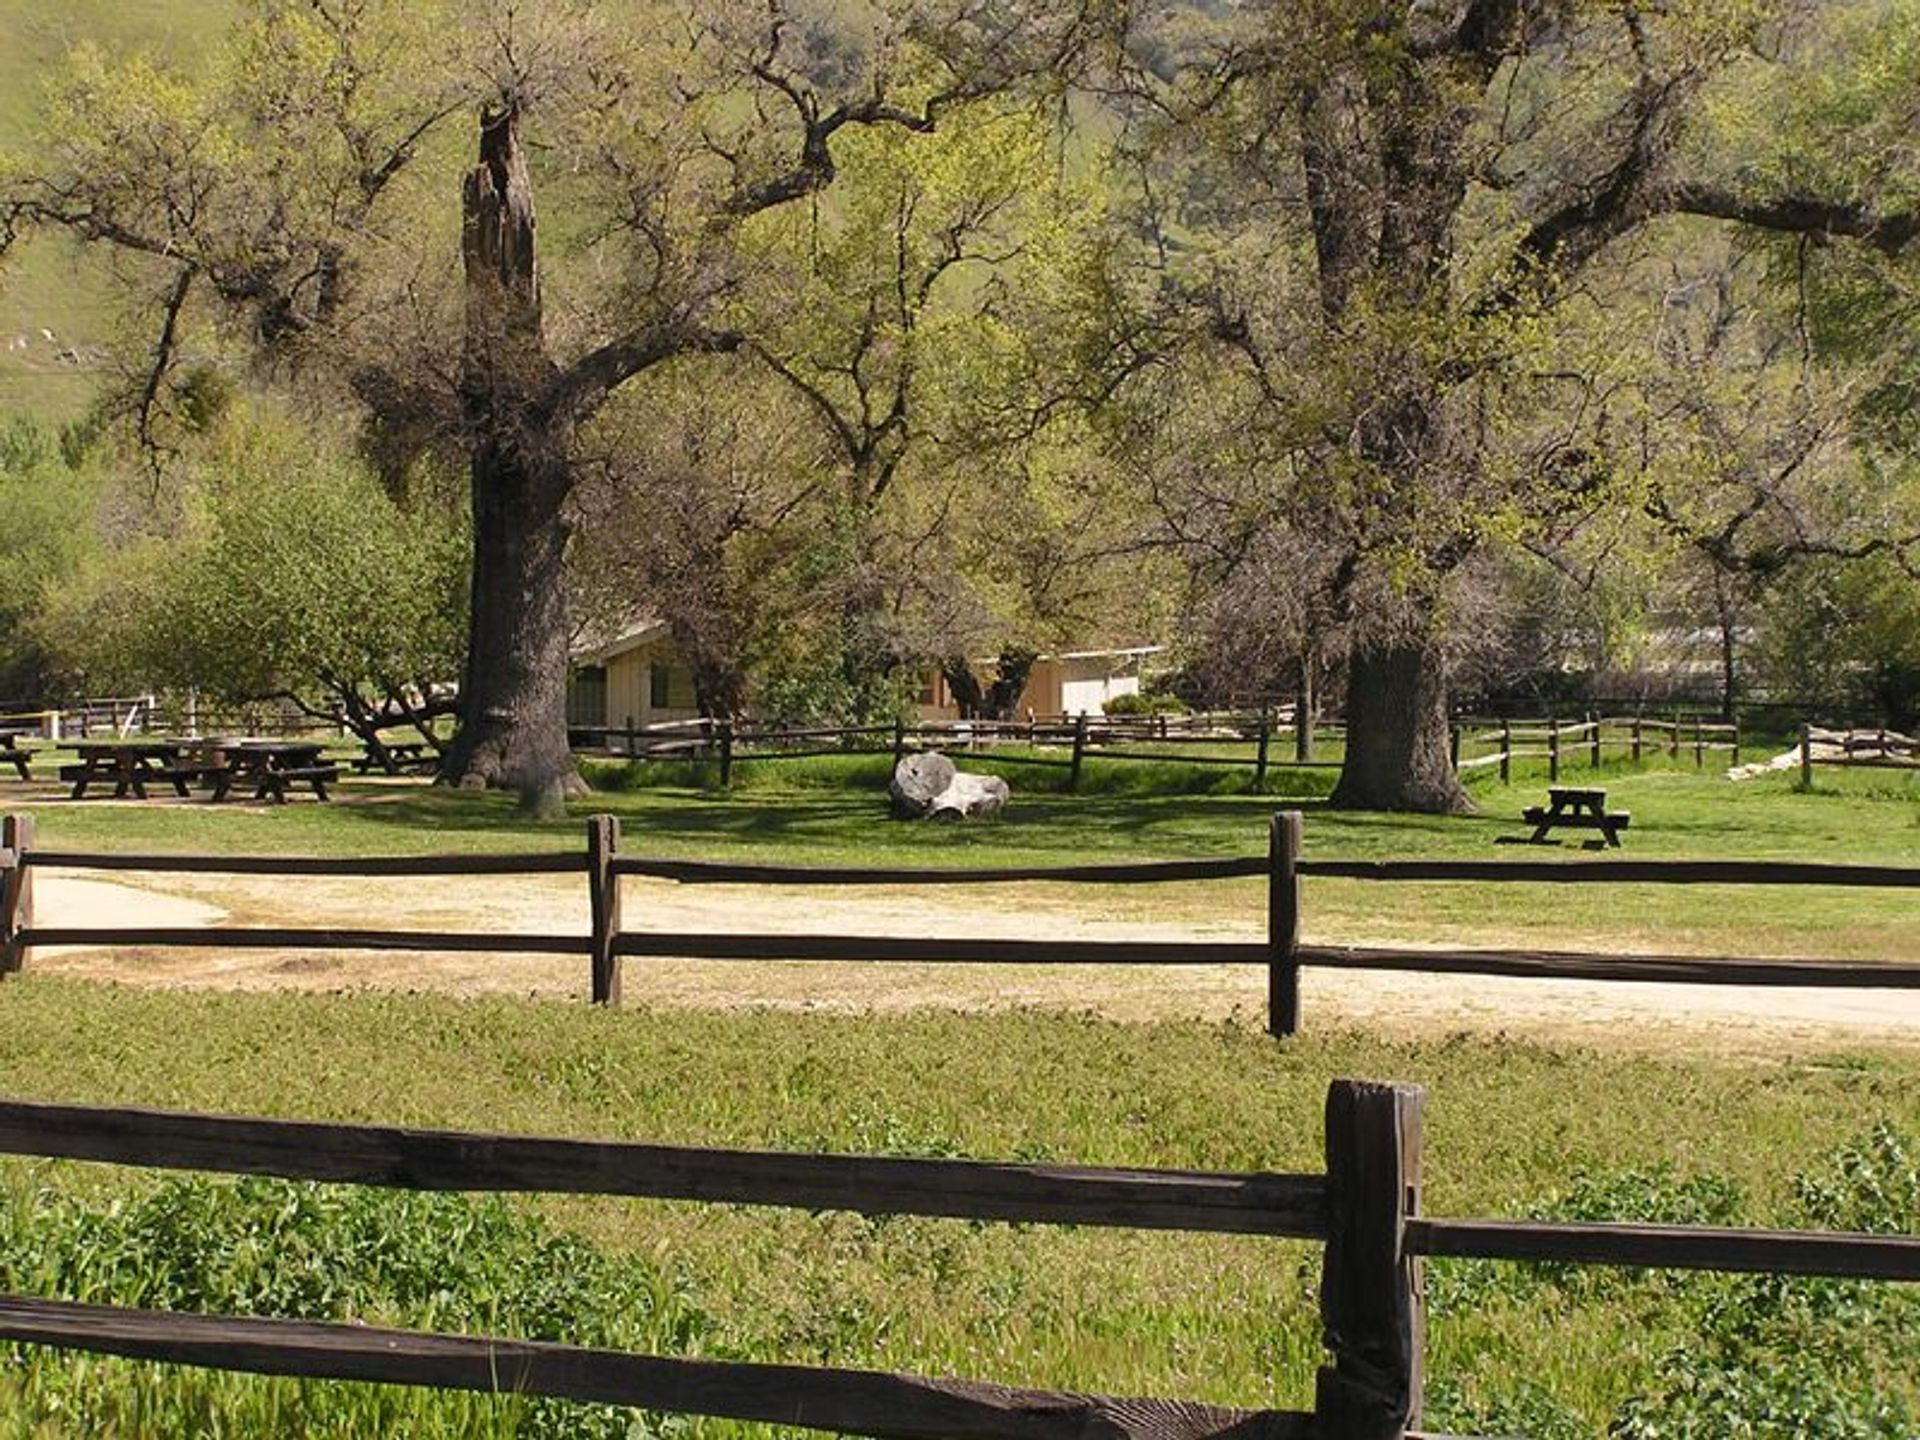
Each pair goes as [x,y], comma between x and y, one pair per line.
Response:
[638,678]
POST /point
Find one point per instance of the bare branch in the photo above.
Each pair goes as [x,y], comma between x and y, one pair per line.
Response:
[1887,231]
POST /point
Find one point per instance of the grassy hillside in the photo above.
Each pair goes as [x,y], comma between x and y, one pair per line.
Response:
[45,288]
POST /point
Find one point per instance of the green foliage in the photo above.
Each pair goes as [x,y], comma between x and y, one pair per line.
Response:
[292,573]
[48,531]
[1761,1357]
[259,1247]
[1848,635]
[1147,702]
[1790,1357]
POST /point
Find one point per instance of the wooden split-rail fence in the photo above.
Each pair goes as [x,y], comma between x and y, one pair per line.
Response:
[1182,740]
[1878,749]
[1478,744]
[608,942]
[1365,1209]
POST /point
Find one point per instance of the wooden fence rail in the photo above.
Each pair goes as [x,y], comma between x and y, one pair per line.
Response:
[1082,736]
[1562,742]
[607,942]
[1365,1208]
[1875,749]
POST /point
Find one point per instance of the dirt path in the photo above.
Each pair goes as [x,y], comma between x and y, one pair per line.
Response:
[1613,1014]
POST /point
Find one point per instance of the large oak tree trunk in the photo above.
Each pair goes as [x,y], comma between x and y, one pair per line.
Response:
[513,713]
[1399,755]
[513,696]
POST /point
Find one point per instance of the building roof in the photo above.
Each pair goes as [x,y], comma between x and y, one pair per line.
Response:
[592,649]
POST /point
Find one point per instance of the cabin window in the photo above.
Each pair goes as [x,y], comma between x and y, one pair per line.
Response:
[659,680]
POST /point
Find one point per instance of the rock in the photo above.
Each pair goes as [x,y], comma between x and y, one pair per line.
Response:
[919,780]
[970,795]
[929,786]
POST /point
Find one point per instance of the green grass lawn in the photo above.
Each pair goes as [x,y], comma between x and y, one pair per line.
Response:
[1814,1134]
[1512,1128]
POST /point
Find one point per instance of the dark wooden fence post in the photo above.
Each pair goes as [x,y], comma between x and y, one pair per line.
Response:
[629,737]
[603,890]
[1506,752]
[1673,743]
[726,754]
[1260,756]
[1594,736]
[1370,1292]
[16,892]
[1699,743]
[1079,750]
[1806,756]
[1283,923]
[1636,739]
[1553,749]
[1453,746]
[1735,762]
[899,741]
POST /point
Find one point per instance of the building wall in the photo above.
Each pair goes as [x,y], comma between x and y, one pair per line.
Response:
[623,689]
[1054,687]
[1088,684]
[631,687]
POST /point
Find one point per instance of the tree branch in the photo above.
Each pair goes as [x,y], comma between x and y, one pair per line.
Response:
[164,351]
[1887,232]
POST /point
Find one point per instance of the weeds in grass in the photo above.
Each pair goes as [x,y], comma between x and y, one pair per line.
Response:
[260,1247]
[1765,1357]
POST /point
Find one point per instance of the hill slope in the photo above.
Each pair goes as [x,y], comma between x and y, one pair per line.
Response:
[51,302]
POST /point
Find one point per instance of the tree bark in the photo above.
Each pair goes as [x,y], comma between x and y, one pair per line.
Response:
[964,686]
[513,711]
[1009,683]
[1398,751]
[513,696]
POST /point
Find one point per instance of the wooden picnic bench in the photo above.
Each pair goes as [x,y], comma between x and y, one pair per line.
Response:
[130,767]
[11,753]
[1575,808]
[401,755]
[271,767]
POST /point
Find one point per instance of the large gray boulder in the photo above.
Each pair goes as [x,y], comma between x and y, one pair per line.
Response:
[919,780]
[929,787]
[970,795]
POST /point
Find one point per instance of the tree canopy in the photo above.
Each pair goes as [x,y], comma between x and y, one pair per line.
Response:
[1326,339]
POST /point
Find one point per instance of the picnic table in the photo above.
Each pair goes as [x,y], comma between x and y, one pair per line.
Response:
[12,753]
[401,755]
[1575,808]
[129,766]
[269,767]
